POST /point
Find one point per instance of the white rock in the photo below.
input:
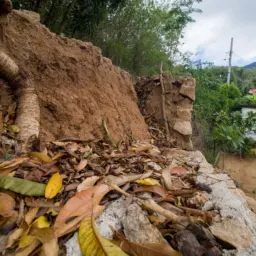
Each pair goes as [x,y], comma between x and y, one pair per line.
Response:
[111,217]
[72,246]
[233,231]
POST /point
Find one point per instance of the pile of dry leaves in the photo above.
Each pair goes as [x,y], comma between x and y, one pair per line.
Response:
[46,196]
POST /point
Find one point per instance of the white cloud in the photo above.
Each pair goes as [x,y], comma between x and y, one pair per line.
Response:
[209,37]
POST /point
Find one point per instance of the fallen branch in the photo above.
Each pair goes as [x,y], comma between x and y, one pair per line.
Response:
[163,103]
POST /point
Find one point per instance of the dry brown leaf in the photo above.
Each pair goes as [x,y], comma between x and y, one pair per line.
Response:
[1,123]
[27,250]
[155,189]
[49,240]
[157,220]
[7,224]
[21,212]
[13,163]
[87,183]
[28,219]
[159,249]
[166,175]
[41,203]
[179,170]
[11,112]
[60,143]
[74,224]
[121,180]
[72,186]
[7,205]
[72,147]
[58,155]
[3,243]
[81,204]
[81,165]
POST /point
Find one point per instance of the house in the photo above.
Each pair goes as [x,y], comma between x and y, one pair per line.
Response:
[252,91]
[245,110]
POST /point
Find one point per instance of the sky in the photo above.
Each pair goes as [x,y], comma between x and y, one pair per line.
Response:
[209,37]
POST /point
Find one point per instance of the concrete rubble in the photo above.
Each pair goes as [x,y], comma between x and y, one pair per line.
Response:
[234,224]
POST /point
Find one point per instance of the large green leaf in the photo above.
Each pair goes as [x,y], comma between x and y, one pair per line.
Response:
[21,186]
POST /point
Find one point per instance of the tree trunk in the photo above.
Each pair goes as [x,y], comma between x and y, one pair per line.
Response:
[64,17]
[37,5]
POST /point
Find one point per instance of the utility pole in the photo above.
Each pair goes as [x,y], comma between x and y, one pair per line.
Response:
[230,61]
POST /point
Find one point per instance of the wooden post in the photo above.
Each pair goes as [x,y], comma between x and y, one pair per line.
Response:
[163,103]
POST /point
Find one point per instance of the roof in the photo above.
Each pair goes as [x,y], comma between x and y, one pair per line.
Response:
[252,91]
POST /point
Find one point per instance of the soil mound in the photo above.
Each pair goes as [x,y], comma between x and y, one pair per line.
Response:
[77,87]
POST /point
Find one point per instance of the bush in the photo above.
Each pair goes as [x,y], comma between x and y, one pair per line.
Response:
[231,129]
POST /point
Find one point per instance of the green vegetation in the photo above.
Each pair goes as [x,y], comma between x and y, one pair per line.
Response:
[136,34]
[216,109]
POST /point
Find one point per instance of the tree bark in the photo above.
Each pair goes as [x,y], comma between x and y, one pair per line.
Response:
[64,18]
[163,103]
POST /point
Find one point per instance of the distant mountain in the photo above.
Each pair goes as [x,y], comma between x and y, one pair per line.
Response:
[252,65]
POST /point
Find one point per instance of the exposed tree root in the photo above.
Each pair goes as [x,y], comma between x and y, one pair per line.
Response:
[28,110]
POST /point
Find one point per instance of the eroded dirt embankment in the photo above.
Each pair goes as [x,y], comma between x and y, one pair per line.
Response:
[76,85]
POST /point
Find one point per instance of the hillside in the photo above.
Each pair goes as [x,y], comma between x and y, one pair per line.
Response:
[252,65]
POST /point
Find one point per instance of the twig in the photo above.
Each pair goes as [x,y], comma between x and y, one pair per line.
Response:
[108,136]
[163,103]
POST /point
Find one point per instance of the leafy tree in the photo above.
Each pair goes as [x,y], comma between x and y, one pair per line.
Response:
[231,129]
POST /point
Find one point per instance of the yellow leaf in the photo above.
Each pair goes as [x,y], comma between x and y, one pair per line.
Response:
[14,128]
[92,243]
[26,240]
[41,156]
[148,182]
[41,222]
[141,148]
[52,212]
[54,186]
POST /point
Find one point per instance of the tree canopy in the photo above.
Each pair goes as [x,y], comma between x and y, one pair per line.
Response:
[136,34]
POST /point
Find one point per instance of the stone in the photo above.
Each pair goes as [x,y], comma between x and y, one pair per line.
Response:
[234,232]
[188,89]
[251,203]
[183,127]
[137,227]
[111,217]
[210,179]
[72,246]
[184,114]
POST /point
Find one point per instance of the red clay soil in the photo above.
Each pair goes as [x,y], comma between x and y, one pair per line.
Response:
[76,85]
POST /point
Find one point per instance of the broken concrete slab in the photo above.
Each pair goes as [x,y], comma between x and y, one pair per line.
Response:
[111,218]
[234,232]
[137,227]
[210,179]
